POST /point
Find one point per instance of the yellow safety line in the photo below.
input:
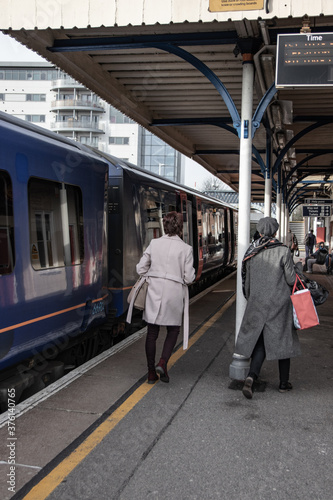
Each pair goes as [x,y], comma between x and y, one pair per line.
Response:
[50,482]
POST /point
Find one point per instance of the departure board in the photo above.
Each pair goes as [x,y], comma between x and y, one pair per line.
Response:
[304,60]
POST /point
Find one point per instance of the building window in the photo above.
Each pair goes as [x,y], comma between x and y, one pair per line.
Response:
[119,140]
[47,228]
[7,249]
[36,97]
[35,118]
[159,157]
[118,117]
[15,97]
[28,74]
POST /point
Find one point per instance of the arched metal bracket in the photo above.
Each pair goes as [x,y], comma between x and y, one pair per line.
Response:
[210,75]
[295,139]
[262,106]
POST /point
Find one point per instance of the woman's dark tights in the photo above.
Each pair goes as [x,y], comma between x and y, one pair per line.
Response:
[258,357]
[169,343]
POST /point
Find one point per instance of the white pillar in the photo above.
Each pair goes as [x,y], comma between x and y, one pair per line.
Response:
[282,226]
[239,366]
[278,213]
[286,225]
[268,195]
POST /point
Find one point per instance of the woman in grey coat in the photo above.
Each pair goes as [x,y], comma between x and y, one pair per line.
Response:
[168,263]
[267,328]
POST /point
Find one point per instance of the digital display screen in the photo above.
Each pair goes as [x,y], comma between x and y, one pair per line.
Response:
[304,60]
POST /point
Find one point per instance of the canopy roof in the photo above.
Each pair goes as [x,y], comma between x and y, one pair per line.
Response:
[183,82]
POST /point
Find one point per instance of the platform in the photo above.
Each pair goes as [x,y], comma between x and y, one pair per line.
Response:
[110,435]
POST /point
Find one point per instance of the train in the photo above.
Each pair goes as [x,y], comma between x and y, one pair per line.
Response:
[74,222]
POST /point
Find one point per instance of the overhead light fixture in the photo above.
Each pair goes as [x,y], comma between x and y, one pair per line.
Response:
[281,139]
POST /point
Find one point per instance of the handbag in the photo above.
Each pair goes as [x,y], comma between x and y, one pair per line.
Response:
[318,292]
[138,293]
[304,311]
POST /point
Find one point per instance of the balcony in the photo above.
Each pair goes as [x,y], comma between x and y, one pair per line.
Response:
[75,125]
[66,83]
[77,104]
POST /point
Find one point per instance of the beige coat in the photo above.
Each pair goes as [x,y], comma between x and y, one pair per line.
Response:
[168,262]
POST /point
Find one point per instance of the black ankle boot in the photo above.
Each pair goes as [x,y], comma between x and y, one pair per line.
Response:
[247,387]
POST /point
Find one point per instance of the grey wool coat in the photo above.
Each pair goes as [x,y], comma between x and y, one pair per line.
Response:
[269,277]
[168,262]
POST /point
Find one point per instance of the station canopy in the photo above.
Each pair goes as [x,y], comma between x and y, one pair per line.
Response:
[181,78]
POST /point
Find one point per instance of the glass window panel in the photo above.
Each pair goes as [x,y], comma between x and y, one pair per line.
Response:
[46,225]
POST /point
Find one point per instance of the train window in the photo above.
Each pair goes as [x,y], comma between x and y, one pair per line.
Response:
[7,253]
[154,204]
[56,228]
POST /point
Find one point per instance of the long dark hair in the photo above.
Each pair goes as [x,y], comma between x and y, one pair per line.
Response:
[173,224]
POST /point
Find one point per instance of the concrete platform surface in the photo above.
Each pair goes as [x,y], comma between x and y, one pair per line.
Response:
[194,438]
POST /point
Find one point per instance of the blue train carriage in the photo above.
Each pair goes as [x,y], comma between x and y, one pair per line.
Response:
[53,268]
[138,201]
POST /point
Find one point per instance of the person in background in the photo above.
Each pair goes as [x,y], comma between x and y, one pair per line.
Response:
[168,263]
[310,241]
[321,256]
[292,242]
[267,329]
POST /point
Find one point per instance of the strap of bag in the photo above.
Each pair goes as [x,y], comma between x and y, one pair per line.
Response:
[295,284]
[139,284]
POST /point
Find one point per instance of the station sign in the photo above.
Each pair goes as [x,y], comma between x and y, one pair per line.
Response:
[233,5]
[316,211]
[304,60]
[318,201]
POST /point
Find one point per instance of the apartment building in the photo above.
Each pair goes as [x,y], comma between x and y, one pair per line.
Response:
[42,94]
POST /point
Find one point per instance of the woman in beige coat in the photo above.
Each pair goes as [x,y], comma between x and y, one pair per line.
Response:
[168,263]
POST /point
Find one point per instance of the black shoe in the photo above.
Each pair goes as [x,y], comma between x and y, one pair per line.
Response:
[247,387]
[285,386]
[152,377]
[161,369]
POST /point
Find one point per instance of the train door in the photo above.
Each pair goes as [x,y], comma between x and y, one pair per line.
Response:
[186,211]
[189,222]
[183,211]
[199,257]
[7,256]
[230,238]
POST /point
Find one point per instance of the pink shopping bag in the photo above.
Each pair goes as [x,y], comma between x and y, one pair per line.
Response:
[305,313]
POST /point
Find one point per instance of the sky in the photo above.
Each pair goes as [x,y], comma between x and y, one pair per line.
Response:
[13,51]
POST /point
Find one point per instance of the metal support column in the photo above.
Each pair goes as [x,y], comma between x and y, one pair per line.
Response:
[268,193]
[278,212]
[240,365]
[282,225]
[268,176]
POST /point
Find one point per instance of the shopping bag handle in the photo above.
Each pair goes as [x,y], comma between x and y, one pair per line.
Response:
[295,284]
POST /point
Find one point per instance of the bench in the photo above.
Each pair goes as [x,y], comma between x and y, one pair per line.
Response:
[319,268]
